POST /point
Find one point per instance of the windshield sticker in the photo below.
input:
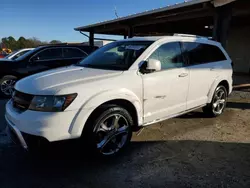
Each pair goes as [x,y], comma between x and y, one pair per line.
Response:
[134,47]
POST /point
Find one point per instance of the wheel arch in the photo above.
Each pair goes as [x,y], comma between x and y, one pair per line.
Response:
[216,83]
[124,98]
[225,84]
[8,75]
[124,103]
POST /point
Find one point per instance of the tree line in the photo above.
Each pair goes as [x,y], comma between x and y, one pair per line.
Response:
[13,44]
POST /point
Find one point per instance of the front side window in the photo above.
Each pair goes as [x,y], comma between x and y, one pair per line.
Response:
[73,53]
[116,56]
[198,53]
[49,54]
[170,55]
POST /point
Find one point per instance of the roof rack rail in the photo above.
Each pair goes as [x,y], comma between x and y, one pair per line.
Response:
[189,35]
[64,43]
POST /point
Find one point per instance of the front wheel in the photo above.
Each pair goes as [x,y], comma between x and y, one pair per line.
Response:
[7,86]
[109,130]
[218,103]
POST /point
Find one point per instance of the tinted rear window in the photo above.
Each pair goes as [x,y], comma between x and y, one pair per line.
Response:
[73,53]
[88,49]
[198,53]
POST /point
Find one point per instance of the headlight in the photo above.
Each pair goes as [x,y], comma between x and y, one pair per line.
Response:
[51,103]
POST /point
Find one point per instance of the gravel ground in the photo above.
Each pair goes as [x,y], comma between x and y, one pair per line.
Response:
[188,151]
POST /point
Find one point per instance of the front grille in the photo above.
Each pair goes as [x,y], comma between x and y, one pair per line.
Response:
[21,101]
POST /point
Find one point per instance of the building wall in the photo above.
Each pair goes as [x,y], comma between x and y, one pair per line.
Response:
[238,47]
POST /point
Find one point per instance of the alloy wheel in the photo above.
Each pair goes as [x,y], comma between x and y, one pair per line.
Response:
[112,134]
[7,87]
[219,101]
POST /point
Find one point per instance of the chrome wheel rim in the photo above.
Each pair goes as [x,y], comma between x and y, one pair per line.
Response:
[7,87]
[112,134]
[219,101]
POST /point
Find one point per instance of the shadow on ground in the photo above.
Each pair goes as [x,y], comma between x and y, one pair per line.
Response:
[194,115]
[239,105]
[143,164]
[2,112]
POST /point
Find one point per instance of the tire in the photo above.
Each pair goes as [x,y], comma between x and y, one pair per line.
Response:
[7,82]
[108,131]
[218,104]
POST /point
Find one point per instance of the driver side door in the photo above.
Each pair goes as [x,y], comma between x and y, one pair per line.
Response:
[165,91]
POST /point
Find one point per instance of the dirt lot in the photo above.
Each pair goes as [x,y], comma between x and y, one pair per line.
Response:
[189,151]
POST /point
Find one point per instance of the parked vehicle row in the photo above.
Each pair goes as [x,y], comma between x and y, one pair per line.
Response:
[37,60]
[119,88]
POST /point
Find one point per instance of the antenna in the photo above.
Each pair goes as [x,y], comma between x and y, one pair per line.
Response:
[116,12]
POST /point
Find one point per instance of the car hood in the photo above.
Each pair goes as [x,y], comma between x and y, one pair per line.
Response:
[51,82]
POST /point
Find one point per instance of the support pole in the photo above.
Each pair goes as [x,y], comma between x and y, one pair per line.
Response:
[91,38]
[130,32]
[222,22]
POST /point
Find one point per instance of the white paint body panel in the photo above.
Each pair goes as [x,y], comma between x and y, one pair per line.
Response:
[165,93]
[198,86]
[155,96]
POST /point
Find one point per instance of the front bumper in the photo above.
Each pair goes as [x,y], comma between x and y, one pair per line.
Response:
[50,126]
[27,141]
[15,135]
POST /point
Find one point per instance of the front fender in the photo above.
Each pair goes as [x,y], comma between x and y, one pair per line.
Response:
[95,101]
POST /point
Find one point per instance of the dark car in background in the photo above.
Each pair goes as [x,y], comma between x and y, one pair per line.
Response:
[40,59]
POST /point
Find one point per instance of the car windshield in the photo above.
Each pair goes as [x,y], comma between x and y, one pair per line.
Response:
[6,57]
[27,54]
[118,55]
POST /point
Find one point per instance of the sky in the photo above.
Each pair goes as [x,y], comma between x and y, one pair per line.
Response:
[56,19]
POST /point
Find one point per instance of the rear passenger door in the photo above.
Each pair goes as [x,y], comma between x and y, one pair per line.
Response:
[72,55]
[204,63]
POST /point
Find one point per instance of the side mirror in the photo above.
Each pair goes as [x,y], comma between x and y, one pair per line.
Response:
[152,65]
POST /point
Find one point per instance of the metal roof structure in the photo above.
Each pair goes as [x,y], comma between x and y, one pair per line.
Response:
[210,18]
[145,13]
[158,21]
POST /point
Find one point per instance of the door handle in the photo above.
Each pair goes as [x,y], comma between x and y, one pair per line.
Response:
[183,75]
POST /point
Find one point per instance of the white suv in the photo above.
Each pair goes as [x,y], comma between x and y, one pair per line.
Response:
[119,88]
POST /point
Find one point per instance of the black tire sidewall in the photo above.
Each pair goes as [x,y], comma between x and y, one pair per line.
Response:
[89,133]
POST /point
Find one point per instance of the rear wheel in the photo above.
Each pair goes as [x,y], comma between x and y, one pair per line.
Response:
[108,131]
[7,86]
[218,103]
